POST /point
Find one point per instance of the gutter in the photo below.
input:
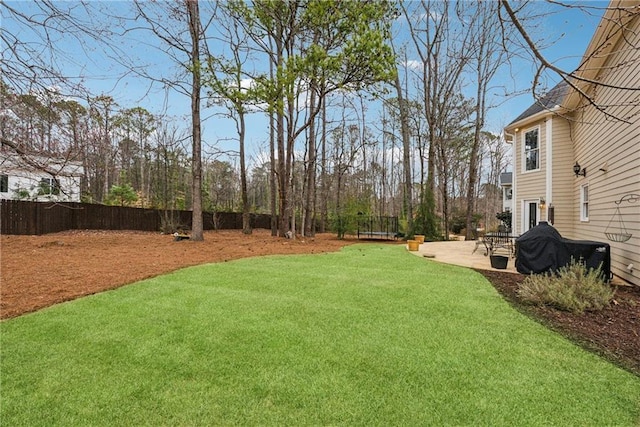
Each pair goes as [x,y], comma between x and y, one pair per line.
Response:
[534,117]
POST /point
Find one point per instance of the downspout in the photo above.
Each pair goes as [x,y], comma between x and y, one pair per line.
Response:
[549,166]
[514,224]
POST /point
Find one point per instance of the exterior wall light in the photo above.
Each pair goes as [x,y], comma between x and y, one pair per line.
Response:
[579,171]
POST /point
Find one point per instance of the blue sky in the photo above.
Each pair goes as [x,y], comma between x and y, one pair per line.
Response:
[567,31]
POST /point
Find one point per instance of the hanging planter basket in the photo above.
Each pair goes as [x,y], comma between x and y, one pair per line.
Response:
[618,231]
[618,237]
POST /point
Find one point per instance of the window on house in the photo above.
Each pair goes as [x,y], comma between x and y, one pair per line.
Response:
[49,186]
[531,150]
[508,193]
[4,183]
[584,202]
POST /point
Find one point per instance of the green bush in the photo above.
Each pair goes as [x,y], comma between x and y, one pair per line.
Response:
[506,219]
[122,195]
[426,220]
[574,288]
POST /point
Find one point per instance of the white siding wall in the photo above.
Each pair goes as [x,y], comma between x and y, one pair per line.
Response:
[30,182]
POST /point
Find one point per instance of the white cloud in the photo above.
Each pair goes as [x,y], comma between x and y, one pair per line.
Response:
[412,64]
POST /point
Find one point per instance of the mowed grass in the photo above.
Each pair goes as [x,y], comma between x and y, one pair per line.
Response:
[371,335]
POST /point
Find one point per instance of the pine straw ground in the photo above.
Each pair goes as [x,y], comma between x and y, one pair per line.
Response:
[39,271]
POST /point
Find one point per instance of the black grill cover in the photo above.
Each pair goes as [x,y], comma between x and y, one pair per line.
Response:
[539,249]
[542,249]
[593,254]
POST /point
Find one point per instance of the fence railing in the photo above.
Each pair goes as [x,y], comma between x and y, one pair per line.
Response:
[35,218]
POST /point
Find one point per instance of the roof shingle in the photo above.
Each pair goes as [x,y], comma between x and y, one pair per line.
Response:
[546,102]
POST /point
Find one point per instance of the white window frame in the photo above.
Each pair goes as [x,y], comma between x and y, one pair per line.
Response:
[49,187]
[584,202]
[525,151]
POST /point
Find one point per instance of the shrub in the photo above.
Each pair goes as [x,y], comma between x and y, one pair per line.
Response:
[123,195]
[426,220]
[574,288]
[505,218]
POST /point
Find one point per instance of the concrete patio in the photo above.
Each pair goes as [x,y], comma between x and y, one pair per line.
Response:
[461,253]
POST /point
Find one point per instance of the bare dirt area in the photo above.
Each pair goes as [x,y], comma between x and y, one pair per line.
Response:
[39,271]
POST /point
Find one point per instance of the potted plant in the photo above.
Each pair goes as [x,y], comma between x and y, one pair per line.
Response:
[499,261]
[413,245]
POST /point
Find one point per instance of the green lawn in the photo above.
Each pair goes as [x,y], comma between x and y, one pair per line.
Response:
[371,335]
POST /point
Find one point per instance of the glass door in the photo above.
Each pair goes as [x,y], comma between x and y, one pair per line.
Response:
[530,214]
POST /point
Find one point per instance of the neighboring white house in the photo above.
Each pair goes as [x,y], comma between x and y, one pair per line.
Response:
[39,178]
[576,166]
[507,190]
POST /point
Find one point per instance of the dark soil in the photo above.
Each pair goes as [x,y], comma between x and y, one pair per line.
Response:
[39,271]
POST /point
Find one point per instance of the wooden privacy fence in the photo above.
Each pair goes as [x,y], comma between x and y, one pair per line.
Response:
[23,217]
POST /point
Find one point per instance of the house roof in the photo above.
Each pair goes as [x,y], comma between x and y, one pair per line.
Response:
[35,163]
[547,102]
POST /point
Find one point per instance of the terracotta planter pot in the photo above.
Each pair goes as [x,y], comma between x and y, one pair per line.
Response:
[413,245]
[419,238]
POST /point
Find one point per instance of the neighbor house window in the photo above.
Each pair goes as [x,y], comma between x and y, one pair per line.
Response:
[531,150]
[508,193]
[4,183]
[48,186]
[584,202]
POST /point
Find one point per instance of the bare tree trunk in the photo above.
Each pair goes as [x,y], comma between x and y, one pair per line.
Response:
[273,169]
[197,233]
[246,213]
[406,157]
[309,208]
[273,177]
[323,174]
[487,57]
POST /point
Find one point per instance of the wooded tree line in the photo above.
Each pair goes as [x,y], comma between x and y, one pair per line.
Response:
[354,124]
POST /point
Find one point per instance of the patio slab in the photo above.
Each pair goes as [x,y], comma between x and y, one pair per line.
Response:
[461,253]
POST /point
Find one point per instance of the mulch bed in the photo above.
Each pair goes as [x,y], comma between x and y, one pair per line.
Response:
[614,332]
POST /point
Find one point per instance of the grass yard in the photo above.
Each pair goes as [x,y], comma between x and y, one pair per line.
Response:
[371,335]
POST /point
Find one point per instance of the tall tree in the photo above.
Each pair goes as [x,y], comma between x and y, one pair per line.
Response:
[443,51]
[182,32]
[232,87]
[406,155]
[349,53]
[195,30]
[485,57]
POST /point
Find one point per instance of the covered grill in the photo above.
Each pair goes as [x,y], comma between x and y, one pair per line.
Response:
[542,249]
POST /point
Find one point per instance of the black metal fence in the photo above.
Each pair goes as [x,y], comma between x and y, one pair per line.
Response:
[381,227]
[35,218]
